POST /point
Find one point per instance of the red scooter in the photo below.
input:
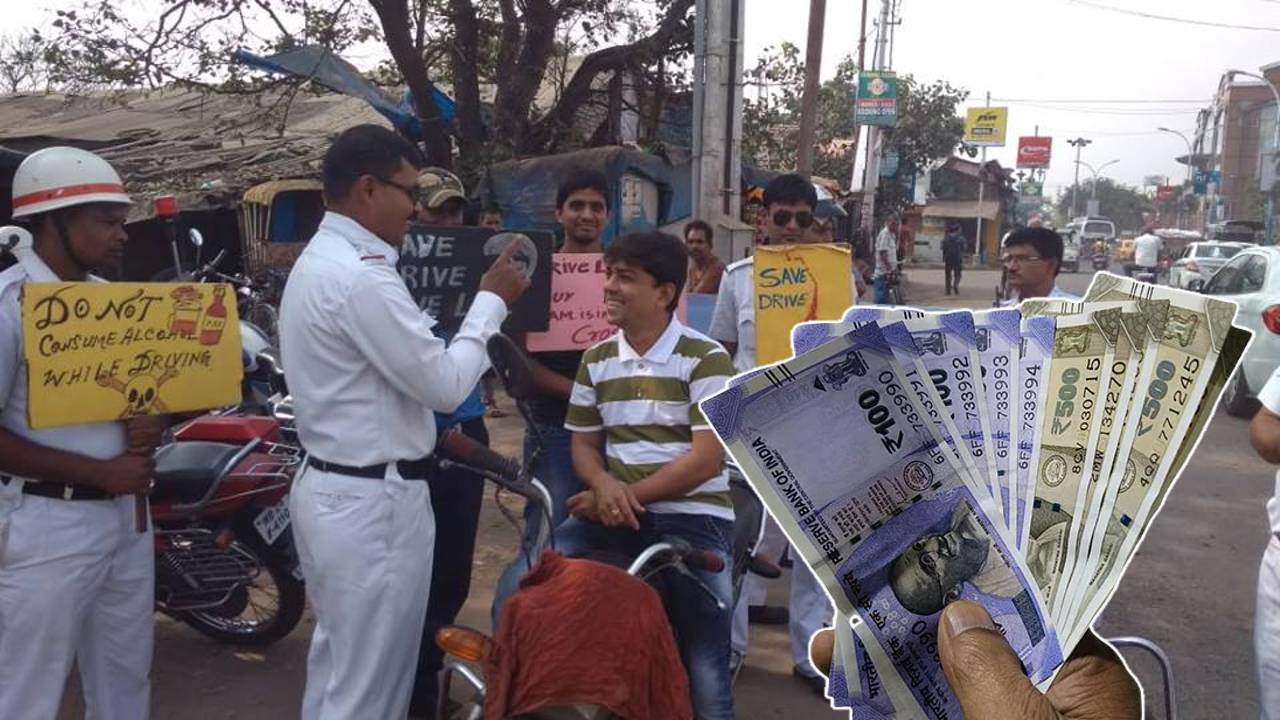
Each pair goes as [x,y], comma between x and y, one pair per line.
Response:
[225,561]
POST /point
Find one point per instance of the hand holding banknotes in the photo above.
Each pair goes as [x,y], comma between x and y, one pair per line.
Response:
[989,681]
[988,678]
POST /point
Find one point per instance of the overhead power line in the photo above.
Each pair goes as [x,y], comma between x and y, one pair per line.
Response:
[1112,101]
[1170,18]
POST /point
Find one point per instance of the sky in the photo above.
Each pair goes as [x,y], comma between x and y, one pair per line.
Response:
[1037,50]
[1058,50]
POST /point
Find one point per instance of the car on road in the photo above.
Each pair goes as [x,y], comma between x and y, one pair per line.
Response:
[1251,278]
[1199,261]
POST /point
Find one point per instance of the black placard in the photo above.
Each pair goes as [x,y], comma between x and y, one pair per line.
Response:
[442,267]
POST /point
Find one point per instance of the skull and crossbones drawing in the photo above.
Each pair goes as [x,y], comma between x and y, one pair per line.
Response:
[141,393]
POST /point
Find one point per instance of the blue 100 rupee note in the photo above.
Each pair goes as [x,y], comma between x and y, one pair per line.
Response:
[858,482]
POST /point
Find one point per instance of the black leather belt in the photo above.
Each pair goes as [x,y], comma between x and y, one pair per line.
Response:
[409,469]
[59,491]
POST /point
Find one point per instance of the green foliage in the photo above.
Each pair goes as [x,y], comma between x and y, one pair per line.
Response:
[1126,205]
[929,126]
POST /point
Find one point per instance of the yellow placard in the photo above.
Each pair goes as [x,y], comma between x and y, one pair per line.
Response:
[109,351]
[793,284]
[986,126]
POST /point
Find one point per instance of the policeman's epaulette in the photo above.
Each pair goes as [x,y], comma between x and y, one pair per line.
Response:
[367,258]
[738,264]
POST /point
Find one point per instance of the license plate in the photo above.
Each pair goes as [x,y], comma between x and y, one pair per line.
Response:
[273,521]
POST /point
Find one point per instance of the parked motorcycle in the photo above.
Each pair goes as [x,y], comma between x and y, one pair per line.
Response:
[225,561]
[466,646]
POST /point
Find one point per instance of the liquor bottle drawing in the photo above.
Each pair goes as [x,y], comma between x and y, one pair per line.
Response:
[215,319]
[185,318]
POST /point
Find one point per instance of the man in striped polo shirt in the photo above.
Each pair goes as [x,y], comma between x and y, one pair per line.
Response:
[650,462]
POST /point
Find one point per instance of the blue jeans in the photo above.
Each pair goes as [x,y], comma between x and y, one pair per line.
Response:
[882,290]
[702,629]
[555,470]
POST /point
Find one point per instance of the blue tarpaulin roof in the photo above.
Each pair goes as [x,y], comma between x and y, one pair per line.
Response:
[526,189]
[331,71]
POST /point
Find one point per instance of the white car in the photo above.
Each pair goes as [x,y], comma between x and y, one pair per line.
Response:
[1252,279]
[1199,261]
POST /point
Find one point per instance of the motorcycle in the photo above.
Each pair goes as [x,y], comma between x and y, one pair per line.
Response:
[465,647]
[1101,261]
[225,561]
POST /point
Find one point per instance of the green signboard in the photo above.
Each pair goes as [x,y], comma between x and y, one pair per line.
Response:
[877,101]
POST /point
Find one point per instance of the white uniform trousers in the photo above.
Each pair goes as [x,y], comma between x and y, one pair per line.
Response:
[77,580]
[365,550]
[809,607]
[1266,631]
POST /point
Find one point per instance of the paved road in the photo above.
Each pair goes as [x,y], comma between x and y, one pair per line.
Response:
[1191,586]
[1190,589]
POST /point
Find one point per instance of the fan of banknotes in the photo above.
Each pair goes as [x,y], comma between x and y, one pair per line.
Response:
[1014,457]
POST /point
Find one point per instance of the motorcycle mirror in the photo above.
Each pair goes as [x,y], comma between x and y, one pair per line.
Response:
[511,364]
[196,238]
[13,237]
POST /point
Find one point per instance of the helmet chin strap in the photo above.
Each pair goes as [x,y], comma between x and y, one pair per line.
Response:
[61,225]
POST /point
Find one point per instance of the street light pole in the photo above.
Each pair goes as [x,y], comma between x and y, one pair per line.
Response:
[1093,189]
[1275,150]
[1079,144]
[1190,158]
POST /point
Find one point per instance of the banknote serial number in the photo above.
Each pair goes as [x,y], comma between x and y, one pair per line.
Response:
[1167,378]
[1065,406]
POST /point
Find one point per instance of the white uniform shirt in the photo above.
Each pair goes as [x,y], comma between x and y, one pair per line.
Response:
[1270,399]
[1056,293]
[886,242]
[1146,250]
[365,371]
[102,441]
[734,317]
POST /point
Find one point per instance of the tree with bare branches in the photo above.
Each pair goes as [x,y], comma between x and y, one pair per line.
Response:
[494,56]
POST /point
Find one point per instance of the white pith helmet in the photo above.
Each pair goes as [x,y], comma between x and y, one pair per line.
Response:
[62,177]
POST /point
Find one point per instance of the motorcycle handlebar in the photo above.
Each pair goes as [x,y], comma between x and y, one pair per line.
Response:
[695,558]
[213,264]
[454,445]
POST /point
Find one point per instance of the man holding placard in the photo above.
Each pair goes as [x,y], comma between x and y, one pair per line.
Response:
[76,574]
[367,374]
[790,202]
[582,209]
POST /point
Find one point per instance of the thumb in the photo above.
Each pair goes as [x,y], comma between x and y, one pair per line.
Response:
[983,670]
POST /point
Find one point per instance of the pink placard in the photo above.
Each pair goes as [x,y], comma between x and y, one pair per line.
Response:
[577,314]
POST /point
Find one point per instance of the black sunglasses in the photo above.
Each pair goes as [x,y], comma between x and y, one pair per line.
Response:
[410,192]
[781,218]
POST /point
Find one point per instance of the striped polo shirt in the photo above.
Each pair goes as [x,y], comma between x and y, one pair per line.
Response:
[647,406]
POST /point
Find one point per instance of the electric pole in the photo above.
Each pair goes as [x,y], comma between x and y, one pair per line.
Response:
[812,76]
[871,180]
[1079,144]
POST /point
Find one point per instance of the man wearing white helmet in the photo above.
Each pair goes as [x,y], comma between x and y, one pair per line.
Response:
[76,576]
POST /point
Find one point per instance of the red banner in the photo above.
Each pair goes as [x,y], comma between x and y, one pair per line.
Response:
[1165,193]
[1034,152]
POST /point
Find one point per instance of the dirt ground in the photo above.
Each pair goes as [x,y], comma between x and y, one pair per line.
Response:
[195,678]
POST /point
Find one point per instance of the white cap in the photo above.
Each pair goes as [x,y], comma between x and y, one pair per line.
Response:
[61,177]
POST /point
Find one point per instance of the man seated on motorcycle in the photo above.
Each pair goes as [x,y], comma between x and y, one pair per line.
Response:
[650,460]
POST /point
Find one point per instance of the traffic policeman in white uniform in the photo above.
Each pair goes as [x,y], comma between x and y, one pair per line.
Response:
[76,576]
[366,375]
[789,202]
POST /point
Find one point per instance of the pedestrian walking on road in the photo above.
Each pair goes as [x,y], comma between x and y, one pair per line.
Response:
[367,375]
[953,246]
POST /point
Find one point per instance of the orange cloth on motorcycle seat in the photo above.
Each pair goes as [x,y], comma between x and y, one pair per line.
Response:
[583,632]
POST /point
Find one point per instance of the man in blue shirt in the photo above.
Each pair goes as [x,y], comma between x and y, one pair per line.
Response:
[456,495]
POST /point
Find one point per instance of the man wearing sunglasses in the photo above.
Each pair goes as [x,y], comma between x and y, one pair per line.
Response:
[367,372]
[790,203]
[1032,257]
